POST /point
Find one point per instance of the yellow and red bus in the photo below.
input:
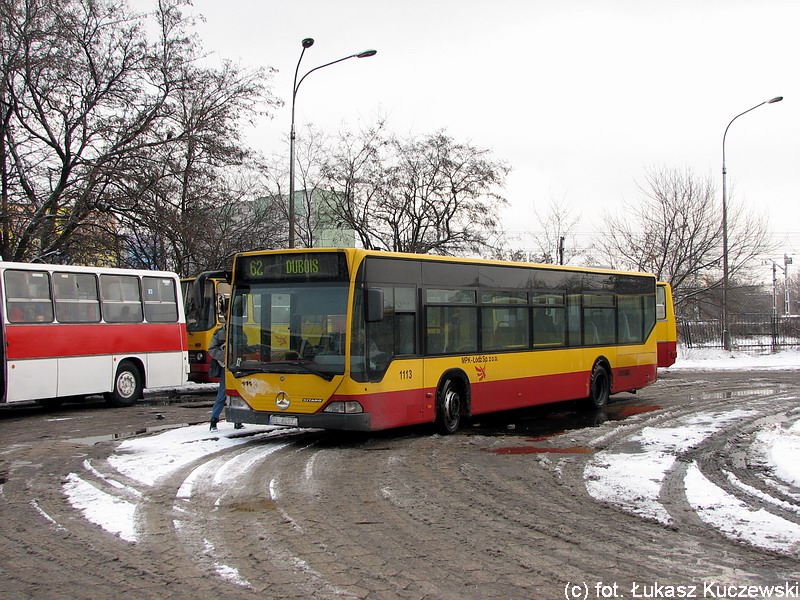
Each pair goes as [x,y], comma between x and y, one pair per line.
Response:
[380,340]
[666,328]
[205,300]
[71,331]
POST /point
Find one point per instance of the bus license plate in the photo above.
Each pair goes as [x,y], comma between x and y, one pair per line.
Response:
[280,420]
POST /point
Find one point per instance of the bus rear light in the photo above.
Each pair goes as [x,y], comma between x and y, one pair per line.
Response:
[350,408]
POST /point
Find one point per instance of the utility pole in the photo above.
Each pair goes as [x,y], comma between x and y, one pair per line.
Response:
[787,260]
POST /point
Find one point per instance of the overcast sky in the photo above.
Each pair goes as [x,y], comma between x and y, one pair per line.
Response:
[578,96]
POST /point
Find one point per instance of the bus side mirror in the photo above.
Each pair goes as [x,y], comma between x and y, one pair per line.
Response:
[374,307]
[222,306]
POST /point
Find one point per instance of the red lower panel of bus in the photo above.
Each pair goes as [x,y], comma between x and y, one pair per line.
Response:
[56,340]
[410,407]
[667,353]
[198,373]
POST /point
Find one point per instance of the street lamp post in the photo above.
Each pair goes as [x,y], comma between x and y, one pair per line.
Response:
[726,337]
[307,43]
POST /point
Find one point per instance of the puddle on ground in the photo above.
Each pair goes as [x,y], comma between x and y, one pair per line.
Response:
[541,423]
[623,412]
[541,450]
[96,439]
[727,394]
[255,505]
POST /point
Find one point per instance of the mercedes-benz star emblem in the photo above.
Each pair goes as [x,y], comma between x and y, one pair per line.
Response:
[282,400]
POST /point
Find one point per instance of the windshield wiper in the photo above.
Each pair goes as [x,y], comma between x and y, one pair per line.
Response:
[305,367]
[242,371]
[276,368]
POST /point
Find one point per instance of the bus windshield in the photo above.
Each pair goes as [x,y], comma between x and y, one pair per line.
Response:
[288,328]
[198,318]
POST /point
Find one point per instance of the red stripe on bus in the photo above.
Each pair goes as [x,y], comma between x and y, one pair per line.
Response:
[410,407]
[56,340]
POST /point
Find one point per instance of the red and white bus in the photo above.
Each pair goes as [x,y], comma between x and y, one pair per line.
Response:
[72,331]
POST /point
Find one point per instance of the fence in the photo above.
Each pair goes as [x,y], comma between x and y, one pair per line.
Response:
[755,333]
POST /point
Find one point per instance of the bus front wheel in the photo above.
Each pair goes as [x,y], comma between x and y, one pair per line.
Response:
[127,386]
[599,386]
[449,406]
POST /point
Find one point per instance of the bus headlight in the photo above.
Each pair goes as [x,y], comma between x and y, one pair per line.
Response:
[351,407]
[237,402]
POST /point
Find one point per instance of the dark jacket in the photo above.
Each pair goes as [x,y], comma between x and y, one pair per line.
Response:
[216,350]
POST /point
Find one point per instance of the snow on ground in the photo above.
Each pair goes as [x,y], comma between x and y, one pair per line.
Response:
[629,480]
[712,359]
[151,458]
[783,450]
[632,479]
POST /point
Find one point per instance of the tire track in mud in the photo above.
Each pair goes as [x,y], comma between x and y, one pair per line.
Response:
[731,468]
[402,514]
[709,483]
[58,553]
[444,517]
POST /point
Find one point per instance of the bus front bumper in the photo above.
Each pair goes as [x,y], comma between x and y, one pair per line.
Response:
[340,421]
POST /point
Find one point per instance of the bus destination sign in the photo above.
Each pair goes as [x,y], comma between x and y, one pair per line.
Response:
[306,266]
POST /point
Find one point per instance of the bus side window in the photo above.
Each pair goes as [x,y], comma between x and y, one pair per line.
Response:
[160,300]
[28,298]
[121,299]
[661,303]
[405,320]
[548,330]
[380,332]
[574,320]
[630,319]
[457,326]
[76,298]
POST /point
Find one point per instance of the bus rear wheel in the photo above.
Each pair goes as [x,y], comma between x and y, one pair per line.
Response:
[449,406]
[127,386]
[599,386]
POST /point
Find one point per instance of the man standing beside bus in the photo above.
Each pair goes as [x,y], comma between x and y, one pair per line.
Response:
[216,350]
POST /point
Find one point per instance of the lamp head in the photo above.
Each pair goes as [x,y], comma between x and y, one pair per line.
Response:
[775,99]
[308,42]
[366,53]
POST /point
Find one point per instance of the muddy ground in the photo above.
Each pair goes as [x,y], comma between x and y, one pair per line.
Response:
[499,510]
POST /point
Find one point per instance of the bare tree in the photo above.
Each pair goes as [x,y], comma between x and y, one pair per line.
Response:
[354,172]
[182,185]
[253,221]
[312,150]
[556,237]
[423,195]
[674,230]
[114,141]
[81,85]
[311,153]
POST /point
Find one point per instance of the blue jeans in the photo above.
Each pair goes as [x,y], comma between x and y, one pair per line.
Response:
[219,402]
